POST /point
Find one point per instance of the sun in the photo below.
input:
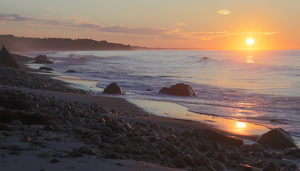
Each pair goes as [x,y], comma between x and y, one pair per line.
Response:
[249,41]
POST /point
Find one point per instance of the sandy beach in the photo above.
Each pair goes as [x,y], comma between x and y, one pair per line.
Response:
[108,133]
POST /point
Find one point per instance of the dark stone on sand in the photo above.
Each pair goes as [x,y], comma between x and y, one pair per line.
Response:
[6,59]
[13,104]
[42,59]
[46,68]
[7,116]
[54,161]
[271,166]
[203,161]
[112,88]
[212,135]
[4,127]
[292,151]
[114,125]
[189,160]
[86,150]
[70,71]
[173,149]
[277,139]
[180,163]
[179,89]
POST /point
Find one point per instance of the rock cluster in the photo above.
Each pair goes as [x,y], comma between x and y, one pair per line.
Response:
[19,78]
[107,135]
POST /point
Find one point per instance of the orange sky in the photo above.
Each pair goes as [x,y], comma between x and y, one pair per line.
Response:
[204,24]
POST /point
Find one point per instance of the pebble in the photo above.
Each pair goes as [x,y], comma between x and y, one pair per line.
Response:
[189,160]
[45,155]
[218,166]
[17,148]
[203,161]
[26,138]
[139,139]
[54,161]
[201,168]
[119,149]
[271,166]
[86,150]
[121,140]
[107,131]
[114,125]
[174,150]
[95,138]
[16,123]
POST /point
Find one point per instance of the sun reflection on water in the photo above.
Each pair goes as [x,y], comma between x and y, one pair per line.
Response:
[249,59]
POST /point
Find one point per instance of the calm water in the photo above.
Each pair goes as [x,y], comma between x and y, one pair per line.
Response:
[251,86]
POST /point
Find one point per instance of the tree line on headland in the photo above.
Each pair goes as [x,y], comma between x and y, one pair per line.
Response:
[16,44]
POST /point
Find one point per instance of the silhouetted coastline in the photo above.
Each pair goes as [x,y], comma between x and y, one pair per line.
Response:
[18,44]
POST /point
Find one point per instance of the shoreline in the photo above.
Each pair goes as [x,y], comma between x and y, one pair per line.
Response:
[170,139]
[246,131]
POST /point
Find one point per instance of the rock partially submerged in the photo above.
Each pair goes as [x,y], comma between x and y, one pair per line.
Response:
[70,71]
[179,89]
[42,59]
[277,139]
[46,68]
[112,88]
[6,59]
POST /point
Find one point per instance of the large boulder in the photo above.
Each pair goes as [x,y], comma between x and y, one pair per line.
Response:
[112,88]
[179,89]
[42,59]
[277,139]
[6,59]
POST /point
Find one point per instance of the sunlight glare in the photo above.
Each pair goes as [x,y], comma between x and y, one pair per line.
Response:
[240,124]
[249,41]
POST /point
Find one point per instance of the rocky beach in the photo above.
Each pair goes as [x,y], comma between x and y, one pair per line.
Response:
[46,125]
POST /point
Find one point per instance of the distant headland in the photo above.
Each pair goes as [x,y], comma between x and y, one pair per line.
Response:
[17,44]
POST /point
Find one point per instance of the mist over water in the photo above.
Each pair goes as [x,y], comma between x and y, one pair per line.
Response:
[261,87]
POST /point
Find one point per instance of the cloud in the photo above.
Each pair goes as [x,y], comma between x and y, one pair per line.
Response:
[81,22]
[15,17]
[77,21]
[181,24]
[224,12]
[212,35]
[18,18]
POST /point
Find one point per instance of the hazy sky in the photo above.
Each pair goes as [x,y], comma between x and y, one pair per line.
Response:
[222,24]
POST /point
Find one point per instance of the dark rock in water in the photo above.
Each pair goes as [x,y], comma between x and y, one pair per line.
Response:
[70,71]
[179,89]
[165,90]
[42,59]
[45,68]
[112,88]
[6,59]
[277,139]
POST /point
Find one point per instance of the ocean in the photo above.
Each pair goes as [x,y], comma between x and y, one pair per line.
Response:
[258,87]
